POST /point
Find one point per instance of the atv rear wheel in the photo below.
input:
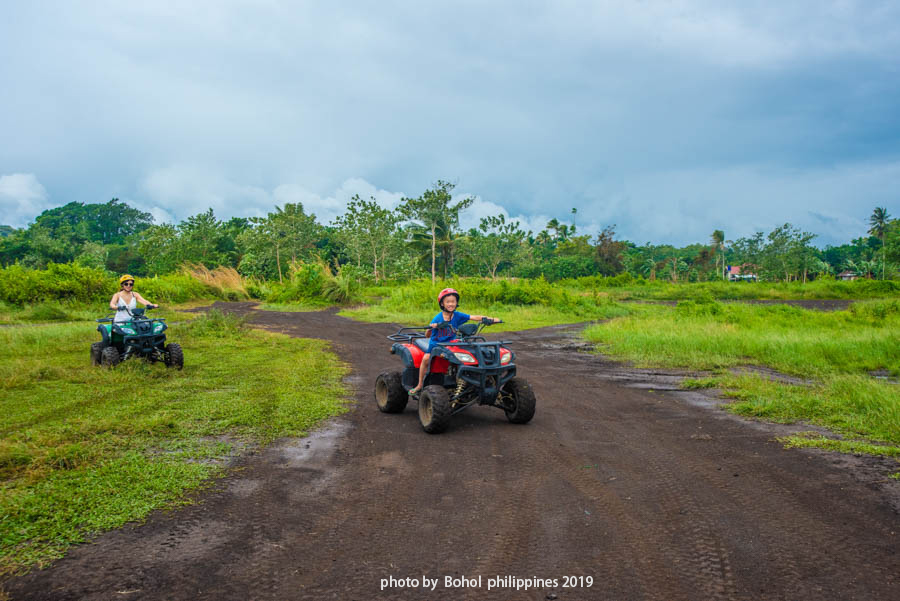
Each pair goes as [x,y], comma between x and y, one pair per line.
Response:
[109,357]
[97,351]
[434,409]
[390,395]
[174,356]
[523,397]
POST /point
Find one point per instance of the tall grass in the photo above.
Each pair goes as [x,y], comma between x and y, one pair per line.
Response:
[522,304]
[792,340]
[315,284]
[226,280]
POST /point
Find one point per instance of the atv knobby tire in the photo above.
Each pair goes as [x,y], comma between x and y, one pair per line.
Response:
[174,356]
[523,397]
[390,396]
[434,409]
[109,357]
[97,351]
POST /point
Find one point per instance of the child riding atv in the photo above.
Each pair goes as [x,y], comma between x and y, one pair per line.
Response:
[448,301]
[466,370]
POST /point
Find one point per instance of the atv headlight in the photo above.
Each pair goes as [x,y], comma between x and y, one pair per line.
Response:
[505,357]
[466,358]
[127,330]
[158,327]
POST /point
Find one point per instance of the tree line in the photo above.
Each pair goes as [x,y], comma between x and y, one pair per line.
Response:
[422,238]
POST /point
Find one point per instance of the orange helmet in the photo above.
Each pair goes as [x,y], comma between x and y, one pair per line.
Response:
[447,292]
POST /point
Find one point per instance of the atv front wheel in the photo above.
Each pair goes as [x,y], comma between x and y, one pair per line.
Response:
[434,409]
[174,356]
[109,357]
[389,393]
[523,398]
[96,352]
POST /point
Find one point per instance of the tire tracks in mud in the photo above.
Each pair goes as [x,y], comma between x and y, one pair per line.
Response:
[653,497]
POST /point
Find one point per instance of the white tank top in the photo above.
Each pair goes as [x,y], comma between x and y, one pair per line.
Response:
[121,315]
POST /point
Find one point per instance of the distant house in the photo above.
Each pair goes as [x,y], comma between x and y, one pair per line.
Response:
[741,273]
[847,275]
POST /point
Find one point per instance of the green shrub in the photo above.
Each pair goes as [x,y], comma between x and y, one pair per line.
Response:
[216,324]
[60,281]
[48,311]
[70,282]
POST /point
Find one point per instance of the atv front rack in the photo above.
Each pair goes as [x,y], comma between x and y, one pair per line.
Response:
[409,334]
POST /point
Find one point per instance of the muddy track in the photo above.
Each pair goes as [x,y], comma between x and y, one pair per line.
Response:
[651,492]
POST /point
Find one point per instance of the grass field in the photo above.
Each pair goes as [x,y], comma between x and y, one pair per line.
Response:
[520,304]
[85,449]
[836,353]
[626,288]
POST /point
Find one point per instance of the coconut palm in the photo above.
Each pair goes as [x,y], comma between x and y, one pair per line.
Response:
[717,243]
[432,210]
[879,221]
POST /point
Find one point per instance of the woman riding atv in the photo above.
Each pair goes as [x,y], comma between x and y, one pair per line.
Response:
[126,299]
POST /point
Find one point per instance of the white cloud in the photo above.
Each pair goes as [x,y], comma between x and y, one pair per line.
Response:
[479,209]
[22,198]
[177,192]
[184,190]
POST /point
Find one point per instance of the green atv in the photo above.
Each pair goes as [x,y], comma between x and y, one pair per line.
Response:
[140,337]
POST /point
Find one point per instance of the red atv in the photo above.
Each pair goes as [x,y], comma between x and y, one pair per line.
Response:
[464,371]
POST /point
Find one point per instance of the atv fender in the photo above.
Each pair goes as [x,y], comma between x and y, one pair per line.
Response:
[405,352]
[104,329]
[412,357]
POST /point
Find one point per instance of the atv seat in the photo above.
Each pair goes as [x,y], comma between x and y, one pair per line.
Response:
[422,343]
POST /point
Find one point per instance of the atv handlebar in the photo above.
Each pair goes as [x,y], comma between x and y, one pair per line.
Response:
[409,333]
[112,315]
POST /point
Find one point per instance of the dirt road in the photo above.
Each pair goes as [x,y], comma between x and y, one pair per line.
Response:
[649,494]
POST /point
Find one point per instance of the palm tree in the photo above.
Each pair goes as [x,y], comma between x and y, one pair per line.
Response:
[879,221]
[717,242]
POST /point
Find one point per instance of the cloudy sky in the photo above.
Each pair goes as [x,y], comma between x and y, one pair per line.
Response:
[667,118]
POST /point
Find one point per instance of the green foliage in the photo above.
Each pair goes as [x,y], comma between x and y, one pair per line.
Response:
[70,282]
[340,288]
[315,284]
[534,303]
[216,324]
[434,211]
[19,285]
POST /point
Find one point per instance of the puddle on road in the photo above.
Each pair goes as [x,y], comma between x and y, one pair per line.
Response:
[316,450]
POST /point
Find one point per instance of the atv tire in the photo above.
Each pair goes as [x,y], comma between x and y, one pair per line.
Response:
[97,351]
[174,356]
[390,396]
[434,409]
[524,399]
[109,357]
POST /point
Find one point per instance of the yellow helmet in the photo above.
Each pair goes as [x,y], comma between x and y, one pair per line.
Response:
[125,278]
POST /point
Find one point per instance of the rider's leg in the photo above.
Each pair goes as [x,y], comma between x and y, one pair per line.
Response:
[423,371]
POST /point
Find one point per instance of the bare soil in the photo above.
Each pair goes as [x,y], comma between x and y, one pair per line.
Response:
[653,492]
